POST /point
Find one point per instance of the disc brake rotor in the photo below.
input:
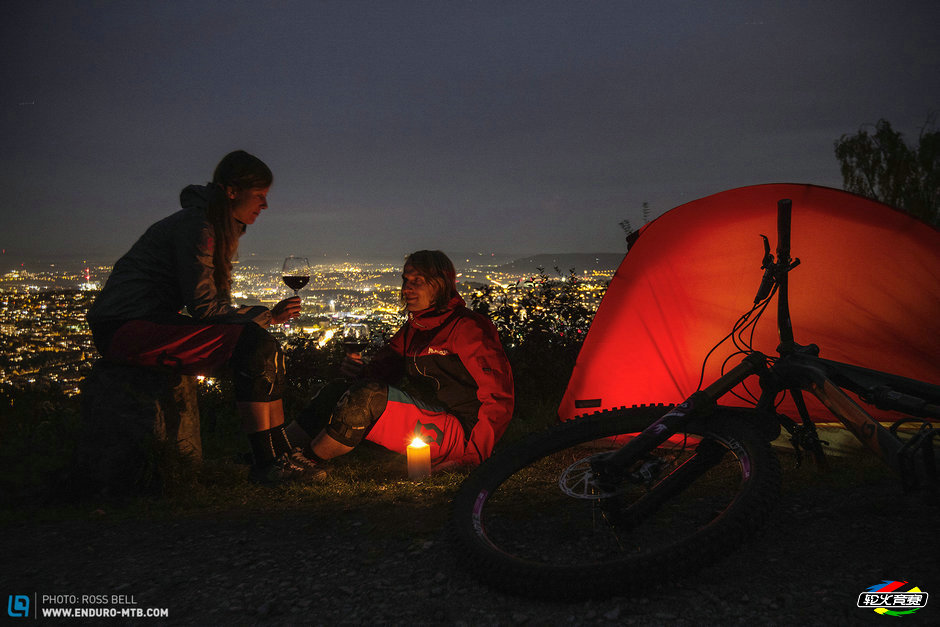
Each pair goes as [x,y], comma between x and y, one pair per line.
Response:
[581,480]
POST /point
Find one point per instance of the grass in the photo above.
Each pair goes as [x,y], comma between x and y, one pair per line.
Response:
[367,475]
[367,479]
[839,472]
[36,464]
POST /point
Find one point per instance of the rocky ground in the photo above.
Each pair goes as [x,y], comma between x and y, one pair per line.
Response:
[393,564]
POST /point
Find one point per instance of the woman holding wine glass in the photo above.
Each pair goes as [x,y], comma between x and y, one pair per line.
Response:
[295,272]
[185,260]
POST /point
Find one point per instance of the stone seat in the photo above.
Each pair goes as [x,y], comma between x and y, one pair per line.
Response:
[133,418]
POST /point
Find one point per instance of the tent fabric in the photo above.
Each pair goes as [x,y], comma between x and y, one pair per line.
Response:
[867,292]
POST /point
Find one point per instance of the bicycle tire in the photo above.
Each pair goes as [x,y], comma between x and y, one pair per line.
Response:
[517,531]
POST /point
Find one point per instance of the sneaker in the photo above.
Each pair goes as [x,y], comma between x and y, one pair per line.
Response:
[279,471]
[310,470]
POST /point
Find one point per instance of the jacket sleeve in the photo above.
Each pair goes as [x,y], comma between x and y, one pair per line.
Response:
[482,355]
[194,257]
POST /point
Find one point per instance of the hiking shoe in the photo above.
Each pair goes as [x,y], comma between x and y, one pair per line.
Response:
[277,472]
[310,470]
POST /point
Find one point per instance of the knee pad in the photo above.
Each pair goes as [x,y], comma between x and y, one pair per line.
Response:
[355,413]
[258,364]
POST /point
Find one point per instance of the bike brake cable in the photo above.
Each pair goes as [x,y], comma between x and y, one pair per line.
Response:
[734,329]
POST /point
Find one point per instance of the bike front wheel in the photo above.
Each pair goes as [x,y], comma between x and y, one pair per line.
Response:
[540,518]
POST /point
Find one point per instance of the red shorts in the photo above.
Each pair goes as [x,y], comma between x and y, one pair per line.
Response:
[405,418]
[190,347]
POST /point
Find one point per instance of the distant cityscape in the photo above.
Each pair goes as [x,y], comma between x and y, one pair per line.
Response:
[47,343]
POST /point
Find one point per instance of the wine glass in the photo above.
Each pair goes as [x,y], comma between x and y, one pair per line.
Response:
[355,338]
[296,272]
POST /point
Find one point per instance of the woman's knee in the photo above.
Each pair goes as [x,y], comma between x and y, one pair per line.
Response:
[258,365]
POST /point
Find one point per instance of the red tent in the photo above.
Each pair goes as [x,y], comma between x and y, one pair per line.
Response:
[867,292]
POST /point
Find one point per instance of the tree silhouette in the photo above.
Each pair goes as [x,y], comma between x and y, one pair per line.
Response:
[883,167]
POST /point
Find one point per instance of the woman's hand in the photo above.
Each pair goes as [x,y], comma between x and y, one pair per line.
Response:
[285,310]
[351,365]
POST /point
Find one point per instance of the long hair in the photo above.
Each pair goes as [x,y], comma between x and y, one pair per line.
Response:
[438,270]
[240,171]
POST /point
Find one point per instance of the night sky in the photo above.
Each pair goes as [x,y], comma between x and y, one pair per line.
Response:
[513,127]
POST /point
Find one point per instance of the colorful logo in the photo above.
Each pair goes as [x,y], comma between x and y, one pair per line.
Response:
[18,606]
[888,599]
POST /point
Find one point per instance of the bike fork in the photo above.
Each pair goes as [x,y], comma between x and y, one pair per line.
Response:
[707,454]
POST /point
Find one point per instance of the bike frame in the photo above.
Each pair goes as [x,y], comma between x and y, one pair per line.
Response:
[797,369]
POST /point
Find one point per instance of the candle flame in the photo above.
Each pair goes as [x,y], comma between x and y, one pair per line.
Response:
[418,442]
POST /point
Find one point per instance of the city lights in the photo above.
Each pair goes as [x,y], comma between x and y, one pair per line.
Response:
[46,340]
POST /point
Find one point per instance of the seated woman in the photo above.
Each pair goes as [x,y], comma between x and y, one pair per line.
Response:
[185,260]
[443,377]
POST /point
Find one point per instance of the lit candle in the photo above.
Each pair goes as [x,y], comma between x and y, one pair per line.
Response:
[419,459]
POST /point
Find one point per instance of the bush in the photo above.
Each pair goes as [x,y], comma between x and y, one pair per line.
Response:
[38,431]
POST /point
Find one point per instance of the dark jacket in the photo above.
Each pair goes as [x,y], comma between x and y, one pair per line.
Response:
[453,359]
[170,267]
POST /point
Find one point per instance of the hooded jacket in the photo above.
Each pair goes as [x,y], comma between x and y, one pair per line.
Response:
[453,359]
[170,267]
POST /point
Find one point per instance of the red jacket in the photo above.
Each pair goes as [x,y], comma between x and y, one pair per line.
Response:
[453,359]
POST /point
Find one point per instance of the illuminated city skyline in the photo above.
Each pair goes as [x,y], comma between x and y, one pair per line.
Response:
[47,341]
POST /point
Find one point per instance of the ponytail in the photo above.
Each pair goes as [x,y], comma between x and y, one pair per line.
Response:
[219,214]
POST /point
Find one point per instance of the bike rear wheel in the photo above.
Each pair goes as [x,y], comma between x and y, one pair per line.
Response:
[537,518]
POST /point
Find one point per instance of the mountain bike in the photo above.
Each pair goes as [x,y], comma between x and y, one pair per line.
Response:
[621,499]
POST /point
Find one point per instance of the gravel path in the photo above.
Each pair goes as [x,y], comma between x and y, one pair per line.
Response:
[393,564]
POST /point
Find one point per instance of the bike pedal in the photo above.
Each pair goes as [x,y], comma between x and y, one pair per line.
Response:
[924,425]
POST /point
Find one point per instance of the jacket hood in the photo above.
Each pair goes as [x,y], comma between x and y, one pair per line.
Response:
[195,196]
[198,196]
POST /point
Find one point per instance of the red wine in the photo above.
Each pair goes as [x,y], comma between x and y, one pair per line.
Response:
[355,346]
[296,282]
